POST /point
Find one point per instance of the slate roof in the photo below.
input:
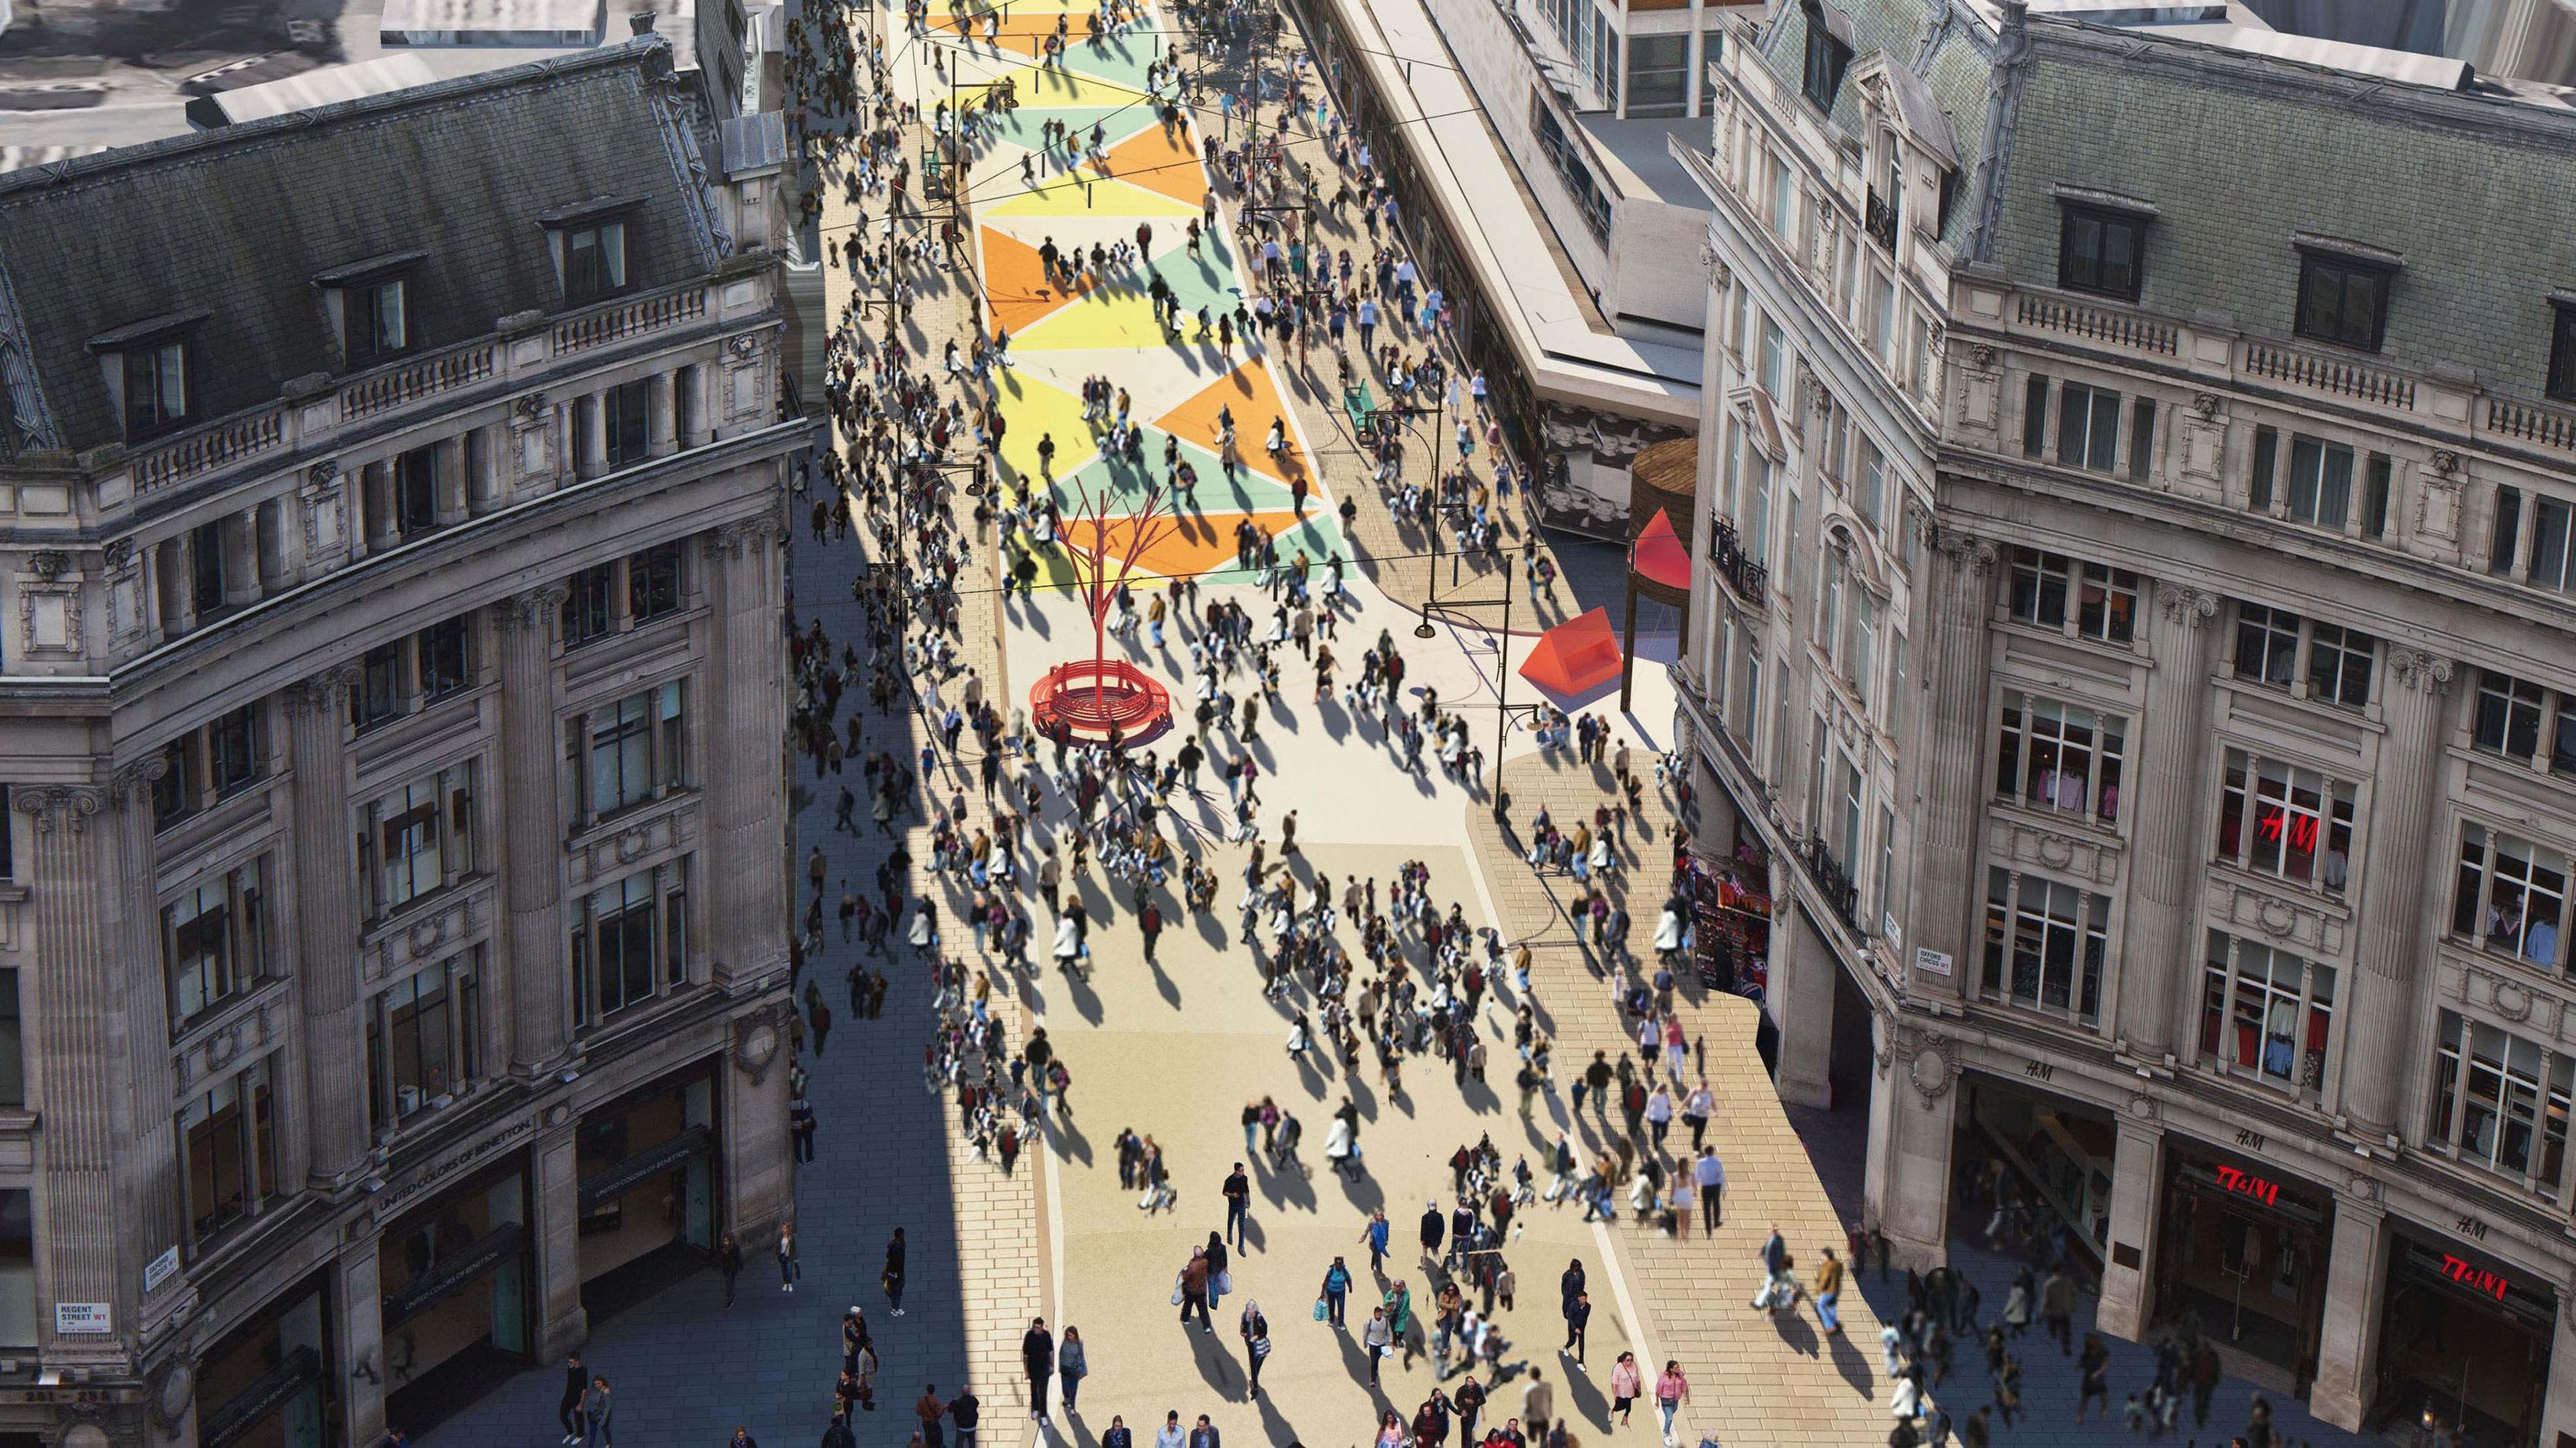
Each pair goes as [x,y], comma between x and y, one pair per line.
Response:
[1944,90]
[235,223]
[2241,152]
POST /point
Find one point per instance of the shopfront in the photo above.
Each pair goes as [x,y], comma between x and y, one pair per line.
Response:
[647,1166]
[268,1383]
[2057,1154]
[2243,1256]
[2464,1341]
[456,1276]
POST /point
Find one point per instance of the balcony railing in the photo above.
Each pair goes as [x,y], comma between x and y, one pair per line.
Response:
[1748,578]
[1879,220]
[419,379]
[2526,422]
[1831,881]
[2338,375]
[630,318]
[2099,324]
[216,445]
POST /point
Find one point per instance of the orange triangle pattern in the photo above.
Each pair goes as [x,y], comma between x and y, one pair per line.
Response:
[1248,391]
[1160,162]
[1015,283]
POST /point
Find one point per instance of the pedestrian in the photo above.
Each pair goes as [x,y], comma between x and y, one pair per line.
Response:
[596,1410]
[929,1410]
[1172,1434]
[1072,1365]
[786,1257]
[1191,1289]
[568,1411]
[1204,1435]
[1336,1290]
[2057,1309]
[1708,1173]
[1538,1405]
[1256,1343]
[1037,1356]
[1671,1391]
[1373,1236]
[1829,1291]
[1238,1205]
[1375,1340]
[1625,1385]
[964,1413]
[1578,1316]
[729,1262]
[1434,1225]
[892,1278]
[1119,1434]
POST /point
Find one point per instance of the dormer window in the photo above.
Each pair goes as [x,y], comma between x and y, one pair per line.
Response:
[145,367]
[590,247]
[371,300]
[1829,53]
[2101,242]
[2343,291]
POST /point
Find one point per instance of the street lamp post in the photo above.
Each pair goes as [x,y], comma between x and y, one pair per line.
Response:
[1456,611]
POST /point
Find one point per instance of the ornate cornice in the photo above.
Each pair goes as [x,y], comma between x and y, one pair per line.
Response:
[1966,551]
[530,610]
[326,692]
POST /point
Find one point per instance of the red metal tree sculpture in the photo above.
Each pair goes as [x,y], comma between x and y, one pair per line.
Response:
[1101,697]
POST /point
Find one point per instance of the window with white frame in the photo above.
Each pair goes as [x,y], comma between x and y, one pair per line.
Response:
[2061,757]
[417,840]
[2511,896]
[2088,426]
[2283,820]
[2083,600]
[2500,1103]
[2325,662]
[630,943]
[2266,1015]
[626,753]
[2045,944]
[2524,722]
[1773,360]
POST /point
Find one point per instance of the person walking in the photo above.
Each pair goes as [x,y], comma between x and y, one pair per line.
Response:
[1149,923]
[729,1262]
[1375,1340]
[1469,1402]
[1238,1205]
[892,1278]
[929,1410]
[1203,1435]
[2057,1309]
[1373,1235]
[1037,1356]
[597,1408]
[1775,1264]
[1256,1344]
[568,1411]
[1072,1365]
[1336,1291]
[1671,1391]
[1626,1384]
[1193,1289]
[1708,1173]
[1538,1406]
[964,1413]
[1172,1434]
[1829,1291]
[786,1258]
[1578,1316]
[1434,1225]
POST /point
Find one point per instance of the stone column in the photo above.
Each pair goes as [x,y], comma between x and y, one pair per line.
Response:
[2164,800]
[1912,1116]
[2356,1282]
[745,760]
[449,481]
[532,835]
[702,408]
[70,1005]
[1948,766]
[2380,1015]
[759,1178]
[659,394]
[1801,1001]
[359,1318]
[326,915]
[2128,1278]
[562,1325]
[593,432]
[2558,1412]
[149,1184]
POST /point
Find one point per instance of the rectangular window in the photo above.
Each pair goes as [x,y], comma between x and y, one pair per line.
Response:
[2060,757]
[2034,417]
[8,860]
[180,791]
[594,262]
[653,583]
[2342,300]
[227,1142]
[1773,360]
[2142,438]
[2266,1015]
[2040,585]
[586,612]
[2099,251]
[2562,352]
[206,569]
[2267,645]
[415,496]
[1659,75]
[2507,721]
[624,419]
[2267,446]
[417,840]
[2106,598]
[629,752]
[2045,944]
[2505,538]
[232,751]
[1870,483]
[214,942]
[2320,482]
[2374,498]
[2281,820]
[622,953]
[156,389]
[2511,896]
[1882,315]
[378,323]
[1827,58]
[444,652]
[2551,521]
[2500,1103]
[13,1060]
[2339,662]
[2088,426]
[416,1040]
[378,693]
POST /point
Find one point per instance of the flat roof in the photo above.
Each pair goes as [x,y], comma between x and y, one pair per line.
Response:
[1641,149]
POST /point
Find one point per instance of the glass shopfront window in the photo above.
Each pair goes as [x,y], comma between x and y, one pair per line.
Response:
[647,1168]
[267,1384]
[2245,1250]
[457,1278]
[2464,1344]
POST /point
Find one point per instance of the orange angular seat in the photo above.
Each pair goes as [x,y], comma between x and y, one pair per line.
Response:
[1576,656]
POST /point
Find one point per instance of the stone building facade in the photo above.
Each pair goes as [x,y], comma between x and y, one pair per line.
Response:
[2131,638]
[384,569]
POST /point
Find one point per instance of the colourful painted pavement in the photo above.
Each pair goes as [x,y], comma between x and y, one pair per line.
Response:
[1149,175]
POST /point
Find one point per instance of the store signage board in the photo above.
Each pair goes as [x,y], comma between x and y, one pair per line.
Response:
[2473,1277]
[1930,961]
[2246,1184]
[159,1269]
[73,1319]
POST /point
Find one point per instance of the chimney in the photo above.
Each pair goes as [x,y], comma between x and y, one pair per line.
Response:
[641,22]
